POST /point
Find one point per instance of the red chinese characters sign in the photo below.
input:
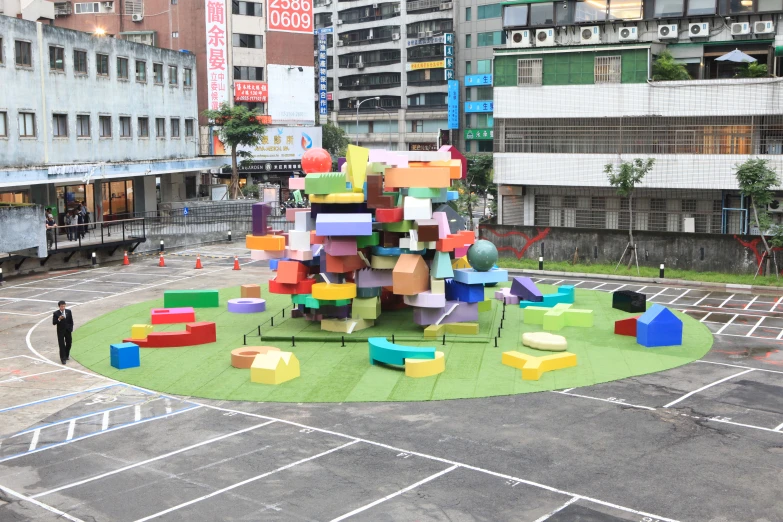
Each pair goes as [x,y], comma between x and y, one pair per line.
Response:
[295,16]
[217,74]
[251,92]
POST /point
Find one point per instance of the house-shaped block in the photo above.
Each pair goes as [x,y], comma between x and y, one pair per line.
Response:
[411,275]
[274,367]
[658,326]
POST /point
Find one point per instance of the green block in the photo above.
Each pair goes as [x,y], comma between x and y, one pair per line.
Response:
[400,226]
[554,321]
[312,302]
[326,183]
[300,299]
[378,168]
[368,308]
[534,314]
[420,192]
[364,293]
[583,318]
[485,306]
[367,241]
[192,298]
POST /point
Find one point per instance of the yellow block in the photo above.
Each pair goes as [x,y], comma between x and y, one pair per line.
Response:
[462,262]
[274,243]
[385,263]
[345,197]
[462,328]
[434,331]
[425,367]
[533,367]
[421,177]
[333,292]
[345,325]
[274,367]
[140,331]
[356,158]
[455,167]
[437,286]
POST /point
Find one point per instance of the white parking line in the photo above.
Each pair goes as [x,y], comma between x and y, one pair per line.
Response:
[750,333]
[34,441]
[727,324]
[23,377]
[726,301]
[48,508]
[561,508]
[751,302]
[703,319]
[620,402]
[71,428]
[778,428]
[697,303]
[776,304]
[706,386]
[17,299]
[681,295]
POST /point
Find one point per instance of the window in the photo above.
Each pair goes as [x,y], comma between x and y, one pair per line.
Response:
[490,11]
[141,71]
[175,34]
[608,69]
[626,10]
[515,16]
[189,128]
[417,126]
[735,6]
[468,68]
[125,127]
[251,73]
[1,50]
[173,80]
[246,8]
[252,41]
[484,67]
[529,71]
[104,124]
[592,11]
[102,64]
[122,68]
[26,122]
[491,39]
[763,5]
[707,7]
[160,127]
[87,7]
[80,62]
[468,40]
[56,58]
[669,8]
[175,127]
[82,126]
[144,127]
[187,77]
[543,14]
[60,125]
[24,53]
[3,125]
[157,72]
[484,93]
[467,14]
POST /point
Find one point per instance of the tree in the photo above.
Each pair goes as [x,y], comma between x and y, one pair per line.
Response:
[239,126]
[624,179]
[753,70]
[335,141]
[666,69]
[466,202]
[479,181]
[756,180]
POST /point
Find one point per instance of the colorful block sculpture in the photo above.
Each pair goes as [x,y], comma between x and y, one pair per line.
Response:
[545,341]
[347,326]
[172,315]
[194,334]
[382,351]
[291,272]
[243,357]
[526,290]
[564,295]
[626,326]
[411,275]
[140,331]
[247,305]
[191,298]
[250,291]
[629,301]
[470,276]
[274,367]
[418,368]
[558,316]
[533,367]
[658,326]
[124,355]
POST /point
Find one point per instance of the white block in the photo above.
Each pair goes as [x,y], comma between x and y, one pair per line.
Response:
[299,239]
[424,155]
[416,208]
[414,235]
[303,222]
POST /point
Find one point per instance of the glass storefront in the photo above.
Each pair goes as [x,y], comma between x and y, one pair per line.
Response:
[15,196]
[118,200]
[69,197]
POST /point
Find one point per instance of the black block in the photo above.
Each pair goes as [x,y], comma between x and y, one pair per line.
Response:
[628,301]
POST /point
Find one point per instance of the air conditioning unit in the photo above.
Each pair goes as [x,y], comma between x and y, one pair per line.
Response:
[375,6]
[545,37]
[590,34]
[775,207]
[369,37]
[740,28]
[357,82]
[446,6]
[428,34]
[628,34]
[339,22]
[315,53]
[360,65]
[108,5]
[340,43]
[699,30]
[395,36]
[519,39]
[422,35]
[137,18]
[765,27]
[396,8]
[667,32]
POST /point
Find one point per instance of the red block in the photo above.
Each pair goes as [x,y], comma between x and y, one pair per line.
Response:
[302,287]
[389,215]
[343,264]
[290,272]
[455,241]
[194,334]
[626,326]
[316,240]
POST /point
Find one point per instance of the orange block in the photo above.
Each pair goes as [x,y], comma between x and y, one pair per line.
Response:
[454,241]
[250,291]
[290,272]
[316,240]
[419,177]
[343,264]
[454,166]
[410,275]
[274,243]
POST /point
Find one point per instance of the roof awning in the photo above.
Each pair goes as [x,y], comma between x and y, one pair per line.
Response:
[522,2]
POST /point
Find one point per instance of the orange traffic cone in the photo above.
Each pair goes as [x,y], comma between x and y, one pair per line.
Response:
[125,260]
[236,263]
[162,262]
[198,262]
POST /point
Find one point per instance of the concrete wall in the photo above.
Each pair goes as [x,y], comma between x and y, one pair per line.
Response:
[22,228]
[701,252]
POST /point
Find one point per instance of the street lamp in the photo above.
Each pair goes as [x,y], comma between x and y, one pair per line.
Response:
[388,115]
[357,115]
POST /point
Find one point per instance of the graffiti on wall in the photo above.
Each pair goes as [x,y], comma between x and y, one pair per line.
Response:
[519,252]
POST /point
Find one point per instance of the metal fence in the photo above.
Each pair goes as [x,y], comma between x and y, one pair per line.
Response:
[234,217]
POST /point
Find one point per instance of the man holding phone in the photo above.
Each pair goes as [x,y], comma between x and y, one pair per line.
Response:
[63,319]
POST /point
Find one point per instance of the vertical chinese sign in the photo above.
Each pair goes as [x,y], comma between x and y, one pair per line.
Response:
[217,64]
[453,104]
[322,106]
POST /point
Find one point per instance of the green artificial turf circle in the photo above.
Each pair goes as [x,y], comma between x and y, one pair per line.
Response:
[331,372]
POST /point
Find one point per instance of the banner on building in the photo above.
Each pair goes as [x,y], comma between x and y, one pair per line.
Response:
[417,66]
[322,69]
[453,104]
[278,143]
[291,16]
[478,134]
[479,106]
[446,38]
[291,91]
[474,80]
[245,91]
[217,74]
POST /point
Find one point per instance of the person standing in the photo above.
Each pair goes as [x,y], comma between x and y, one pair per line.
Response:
[63,320]
[49,222]
[69,220]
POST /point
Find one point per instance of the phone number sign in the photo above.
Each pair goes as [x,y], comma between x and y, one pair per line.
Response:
[294,16]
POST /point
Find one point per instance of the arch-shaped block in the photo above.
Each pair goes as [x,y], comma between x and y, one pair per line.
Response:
[418,368]
[194,334]
[381,350]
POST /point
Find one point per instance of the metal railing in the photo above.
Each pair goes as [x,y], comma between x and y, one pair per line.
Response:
[74,237]
[419,5]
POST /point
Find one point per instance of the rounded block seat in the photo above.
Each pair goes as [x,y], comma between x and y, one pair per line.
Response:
[246,305]
[243,357]
[418,368]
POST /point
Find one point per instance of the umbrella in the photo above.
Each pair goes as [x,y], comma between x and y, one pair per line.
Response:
[735,56]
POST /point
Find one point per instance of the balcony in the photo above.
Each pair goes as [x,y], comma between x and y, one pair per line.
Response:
[62,9]
[362,65]
[428,5]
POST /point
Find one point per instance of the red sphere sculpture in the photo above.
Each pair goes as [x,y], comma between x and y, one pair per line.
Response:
[316,161]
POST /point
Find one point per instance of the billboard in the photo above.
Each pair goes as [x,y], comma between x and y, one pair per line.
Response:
[279,143]
[478,79]
[245,91]
[217,76]
[291,94]
[453,99]
[292,16]
[479,106]
[322,80]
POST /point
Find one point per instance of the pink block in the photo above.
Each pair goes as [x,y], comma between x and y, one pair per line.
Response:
[502,293]
[296,183]
[377,156]
[299,255]
[461,251]
[266,255]
[443,224]
[511,300]
[344,246]
[172,315]
[455,154]
[290,213]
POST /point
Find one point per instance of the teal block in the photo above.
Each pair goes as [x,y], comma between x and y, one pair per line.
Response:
[567,291]
[469,276]
[422,192]
[385,352]
[192,298]
[441,266]
[300,299]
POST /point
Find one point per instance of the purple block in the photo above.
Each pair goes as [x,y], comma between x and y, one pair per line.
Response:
[371,278]
[259,213]
[335,312]
[511,300]
[246,305]
[340,246]
[526,290]
[502,293]
[343,225]
[453,312]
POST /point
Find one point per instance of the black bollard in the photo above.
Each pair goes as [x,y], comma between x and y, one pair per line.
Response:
[660,271]
[444,339]
[161,245]
[541,263]
[94,259]
[293,341]
[229,235]
[343,339]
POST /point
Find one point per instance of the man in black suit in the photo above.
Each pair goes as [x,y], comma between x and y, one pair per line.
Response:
[63,319]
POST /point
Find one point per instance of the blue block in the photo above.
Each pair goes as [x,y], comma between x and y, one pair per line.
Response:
[273,264]
[470,276]
[456,291]
[658,326]
[125,355]
[452,195]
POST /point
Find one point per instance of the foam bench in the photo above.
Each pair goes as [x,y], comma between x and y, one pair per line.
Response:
[382,351]
[172,315]
[192,298]
[418,368]
[124,355]
[533,367]
[545,341]
[243,357]
[248,305]
[194,334]
[558,316]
